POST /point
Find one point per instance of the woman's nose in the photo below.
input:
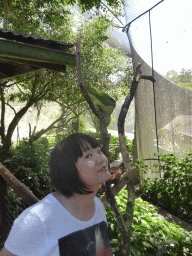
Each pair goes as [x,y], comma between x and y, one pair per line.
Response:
[100,158]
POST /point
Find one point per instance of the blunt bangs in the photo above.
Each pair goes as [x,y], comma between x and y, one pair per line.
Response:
[64,174]
[79,143]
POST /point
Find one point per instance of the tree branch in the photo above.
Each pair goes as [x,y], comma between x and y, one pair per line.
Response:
[41,95]
[36,136]
[6,85]
[83,89]
[125,156]
[150,78]
[105,137]
[21,91]
[28,197]
[35,82]
[2,128]
[11,107]
[128,99]
[126,177]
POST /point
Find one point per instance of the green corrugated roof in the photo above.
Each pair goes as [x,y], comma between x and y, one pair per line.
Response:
[21,54]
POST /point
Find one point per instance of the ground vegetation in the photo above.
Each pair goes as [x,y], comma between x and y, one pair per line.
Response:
[173,191]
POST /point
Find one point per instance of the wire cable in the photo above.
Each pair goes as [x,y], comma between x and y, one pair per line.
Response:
[128,25]
[111,12]
[154,96]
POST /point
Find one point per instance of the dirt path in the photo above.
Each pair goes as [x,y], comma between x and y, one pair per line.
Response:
[164,215]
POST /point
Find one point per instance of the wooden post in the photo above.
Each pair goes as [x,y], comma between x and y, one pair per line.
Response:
[5,221]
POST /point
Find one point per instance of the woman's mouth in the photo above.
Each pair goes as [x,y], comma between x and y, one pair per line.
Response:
[104,168]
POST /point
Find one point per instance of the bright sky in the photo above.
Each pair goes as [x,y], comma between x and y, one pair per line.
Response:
[171,23]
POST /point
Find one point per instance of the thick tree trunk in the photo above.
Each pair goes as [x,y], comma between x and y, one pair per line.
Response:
[35,97]
[13,125]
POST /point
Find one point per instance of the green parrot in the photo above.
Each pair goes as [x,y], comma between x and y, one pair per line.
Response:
[103,101]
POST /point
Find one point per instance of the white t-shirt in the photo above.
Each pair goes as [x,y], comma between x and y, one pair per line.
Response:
[48,229]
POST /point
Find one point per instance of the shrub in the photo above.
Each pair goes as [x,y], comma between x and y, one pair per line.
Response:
[173,191]
[30,165]
[148,232]
[114,150]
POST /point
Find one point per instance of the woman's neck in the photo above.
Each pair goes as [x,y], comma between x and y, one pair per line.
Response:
[81,206]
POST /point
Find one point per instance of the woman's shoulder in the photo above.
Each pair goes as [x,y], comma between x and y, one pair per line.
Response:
[29,231]
[38,212]
[33,219]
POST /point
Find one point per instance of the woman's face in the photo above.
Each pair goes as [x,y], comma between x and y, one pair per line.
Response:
[93,167]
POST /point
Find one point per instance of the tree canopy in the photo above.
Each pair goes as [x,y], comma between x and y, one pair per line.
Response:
[183,79]
[28,15]
[102,67]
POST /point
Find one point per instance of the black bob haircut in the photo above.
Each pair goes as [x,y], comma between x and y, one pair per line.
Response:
[64,174]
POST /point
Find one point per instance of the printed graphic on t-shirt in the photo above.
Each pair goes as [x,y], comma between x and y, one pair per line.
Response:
[92,241]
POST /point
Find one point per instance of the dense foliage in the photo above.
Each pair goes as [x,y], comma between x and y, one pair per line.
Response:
[114,149]
[148,231]
[30,164]
[174,190]
[183,79]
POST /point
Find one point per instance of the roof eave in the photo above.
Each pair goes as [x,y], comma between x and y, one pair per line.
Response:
[18,50]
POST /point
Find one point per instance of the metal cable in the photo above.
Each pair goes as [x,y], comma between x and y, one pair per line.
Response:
[128,24]
[111,12]
[154,96]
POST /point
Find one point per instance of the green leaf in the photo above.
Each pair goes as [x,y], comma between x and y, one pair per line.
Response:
[135,252]
[147,244]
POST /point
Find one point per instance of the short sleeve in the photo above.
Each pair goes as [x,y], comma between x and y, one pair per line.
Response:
[27,236]
[101,209]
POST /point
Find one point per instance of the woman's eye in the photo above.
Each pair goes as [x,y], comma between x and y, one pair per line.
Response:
[100,151]
[88,156]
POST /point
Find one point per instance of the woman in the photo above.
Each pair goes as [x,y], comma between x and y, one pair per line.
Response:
[70,221]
